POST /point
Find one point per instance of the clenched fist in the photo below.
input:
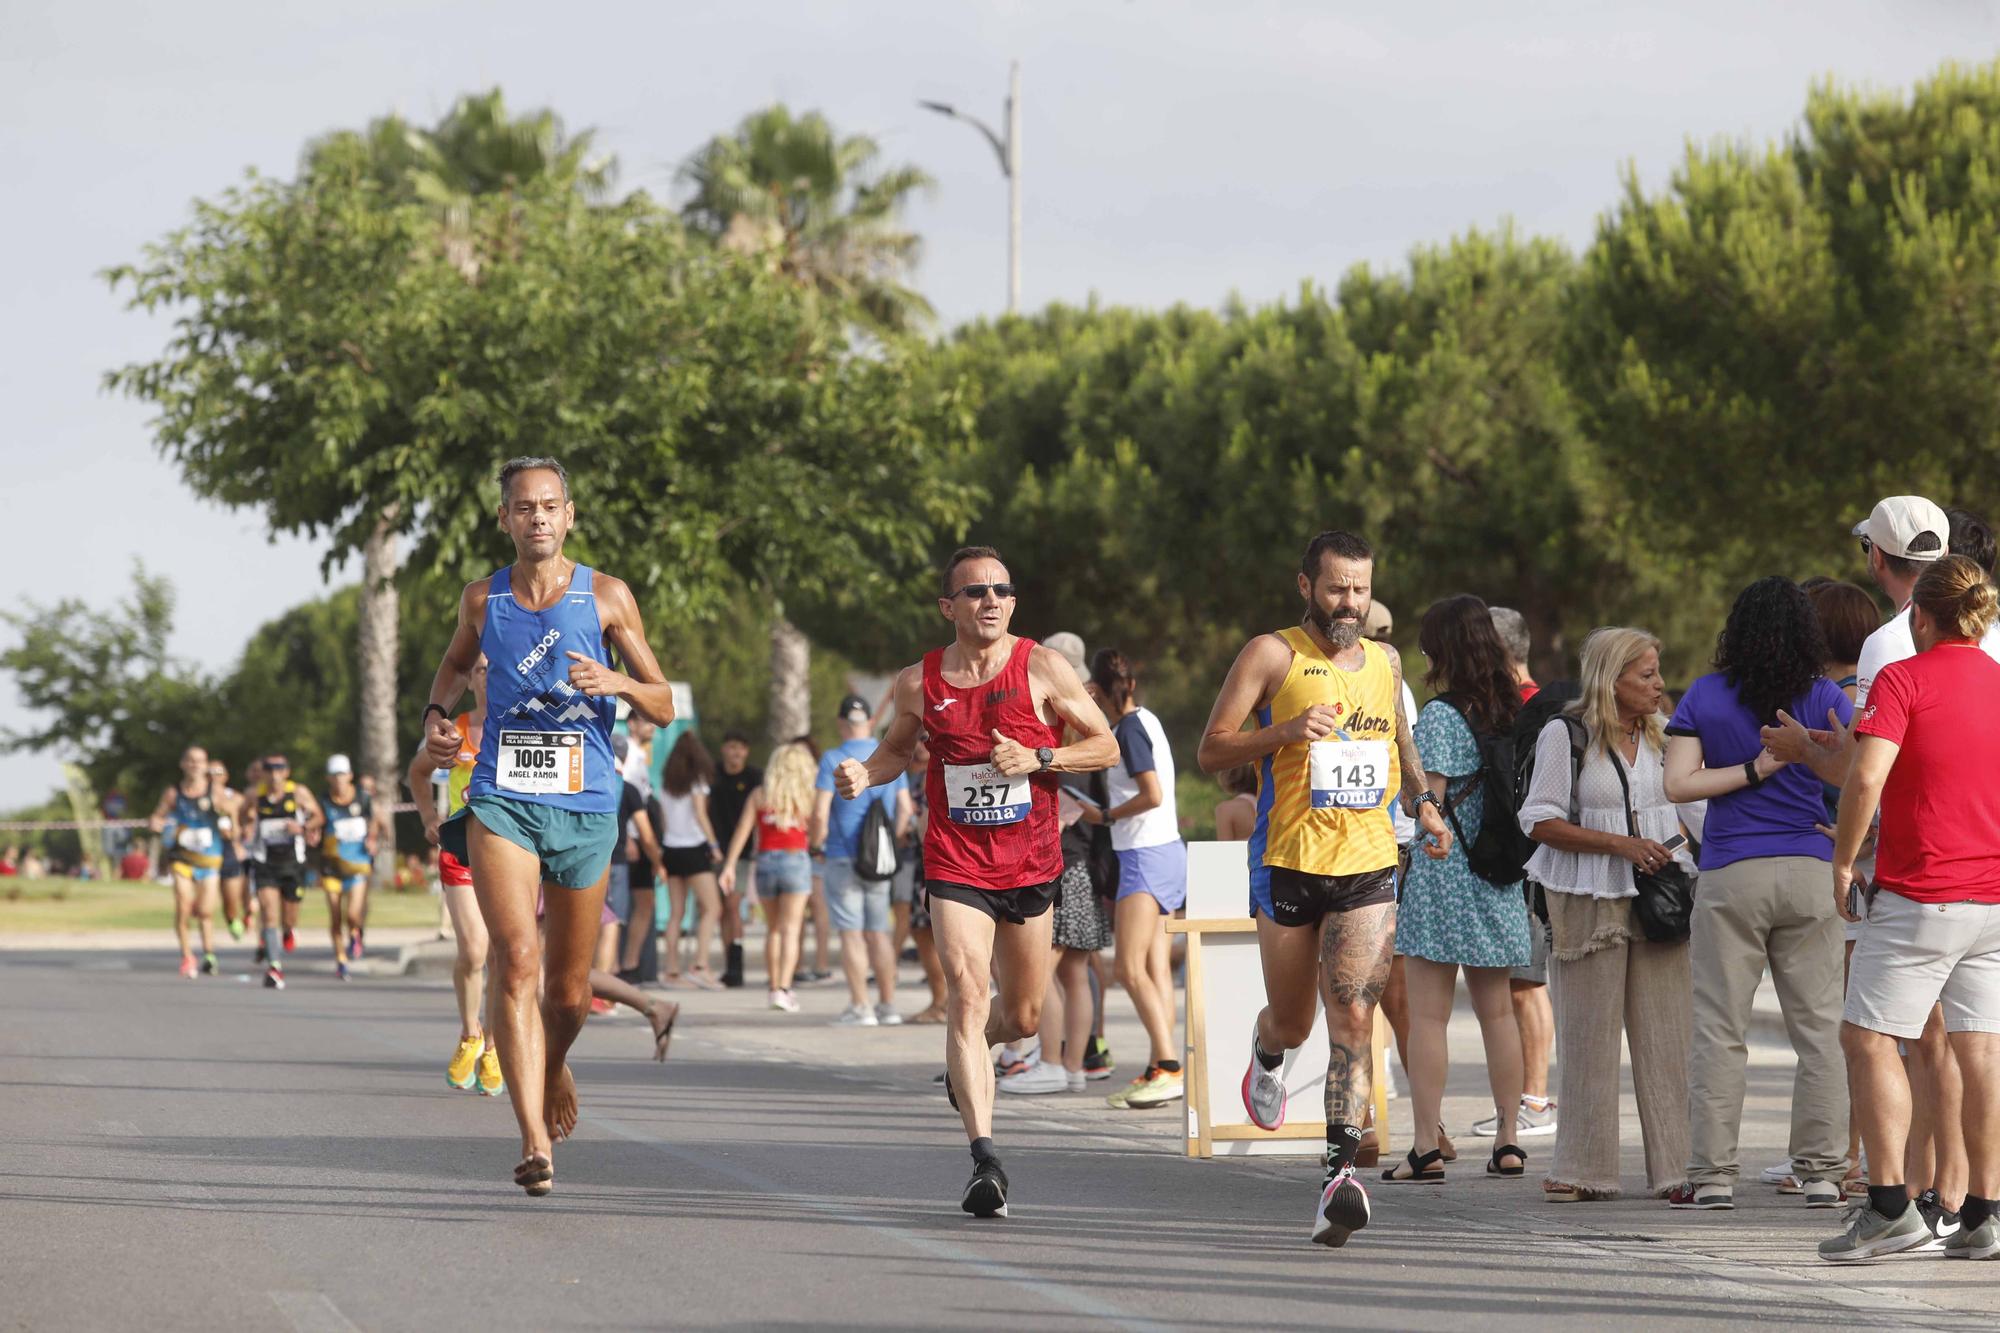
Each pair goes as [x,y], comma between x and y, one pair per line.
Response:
[1316,723]
[850,779]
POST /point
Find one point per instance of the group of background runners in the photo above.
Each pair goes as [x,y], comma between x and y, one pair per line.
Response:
[251,854]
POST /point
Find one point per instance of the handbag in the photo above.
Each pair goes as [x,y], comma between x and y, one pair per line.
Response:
[1665,905]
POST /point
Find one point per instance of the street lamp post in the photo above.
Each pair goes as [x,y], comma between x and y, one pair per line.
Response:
[1008,150]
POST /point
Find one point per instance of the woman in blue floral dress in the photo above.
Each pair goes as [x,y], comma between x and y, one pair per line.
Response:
[1450,918]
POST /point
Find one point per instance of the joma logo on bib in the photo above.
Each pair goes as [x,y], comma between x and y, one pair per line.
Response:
[541,650]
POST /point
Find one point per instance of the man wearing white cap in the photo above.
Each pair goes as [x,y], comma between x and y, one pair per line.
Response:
[346,859]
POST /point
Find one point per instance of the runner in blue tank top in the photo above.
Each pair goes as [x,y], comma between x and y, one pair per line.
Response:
[542,807]
[191,838]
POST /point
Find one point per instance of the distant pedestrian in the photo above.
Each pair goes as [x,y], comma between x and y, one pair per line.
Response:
[688,850]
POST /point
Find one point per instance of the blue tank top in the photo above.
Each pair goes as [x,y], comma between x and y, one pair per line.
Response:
[194,833]
[544,742]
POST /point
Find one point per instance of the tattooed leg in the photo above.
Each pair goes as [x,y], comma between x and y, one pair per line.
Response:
[1355,952]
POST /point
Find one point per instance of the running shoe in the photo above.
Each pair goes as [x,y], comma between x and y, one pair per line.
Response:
[289,941]
[340,968]
[597,1006]
[1533,1124]
[1708,1197]
[491,1082]
[1343,1209]
[785,1000]
[1117,1100]
[235,929]
[1097,1061]
[856,1016]
[986,1193]
[1164,1086]
[1037,1079]
[209,967]
[1943,1225]
[1264,1089]
[1870,1235]
[462,1072]
[1980,1242]
[886,1015]
[354,949]
[188,967]
[274,979]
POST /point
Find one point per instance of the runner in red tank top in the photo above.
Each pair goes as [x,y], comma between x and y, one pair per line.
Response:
[991,707]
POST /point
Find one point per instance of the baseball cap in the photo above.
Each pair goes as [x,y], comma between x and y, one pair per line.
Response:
[854,708]
[1070,646]
[1909,527]
[338,764]
[1380,621]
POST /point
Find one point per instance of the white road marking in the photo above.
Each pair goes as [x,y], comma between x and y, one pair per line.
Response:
[311,1312]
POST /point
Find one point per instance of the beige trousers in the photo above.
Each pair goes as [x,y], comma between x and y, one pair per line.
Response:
[1641,989]
[1776,910]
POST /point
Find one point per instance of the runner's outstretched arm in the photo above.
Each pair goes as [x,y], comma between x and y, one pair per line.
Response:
[899,742]
[644,687]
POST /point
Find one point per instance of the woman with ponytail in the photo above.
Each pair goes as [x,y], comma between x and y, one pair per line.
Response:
[1925,751]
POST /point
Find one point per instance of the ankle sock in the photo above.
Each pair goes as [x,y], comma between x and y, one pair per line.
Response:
[1167,1066]
[983,1150]
[1537,1103]
[1264,1058]
[1343,1142]
[1889,1200]
[1974,1212]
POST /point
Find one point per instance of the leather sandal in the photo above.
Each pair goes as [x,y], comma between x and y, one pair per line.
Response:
[1493,1164]
[1425,1170]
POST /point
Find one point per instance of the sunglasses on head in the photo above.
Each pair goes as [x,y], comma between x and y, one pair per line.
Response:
[977,591]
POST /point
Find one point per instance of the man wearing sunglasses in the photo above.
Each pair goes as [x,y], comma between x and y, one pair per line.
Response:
[281,818]
[991,708]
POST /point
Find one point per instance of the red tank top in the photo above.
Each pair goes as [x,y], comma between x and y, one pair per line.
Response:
[771,838]
[985,830]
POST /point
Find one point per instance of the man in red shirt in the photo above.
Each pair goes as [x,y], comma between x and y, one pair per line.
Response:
[991,709]
[1927,746]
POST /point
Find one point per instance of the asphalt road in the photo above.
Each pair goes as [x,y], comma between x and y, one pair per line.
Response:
[212,1155]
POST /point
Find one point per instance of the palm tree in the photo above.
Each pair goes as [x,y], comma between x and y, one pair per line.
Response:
[818,208]
[816,203]
[476,149]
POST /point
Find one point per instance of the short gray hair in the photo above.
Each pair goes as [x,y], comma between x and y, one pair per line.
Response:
[1512,627]
[514,467]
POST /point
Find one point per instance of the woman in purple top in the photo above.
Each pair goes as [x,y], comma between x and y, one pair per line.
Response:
[1762,900]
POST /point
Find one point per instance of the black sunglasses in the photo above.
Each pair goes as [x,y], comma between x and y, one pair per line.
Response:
[1866,545]
[977,591]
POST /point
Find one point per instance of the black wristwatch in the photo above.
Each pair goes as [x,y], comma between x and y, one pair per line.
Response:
[1430,797]
[1047,756]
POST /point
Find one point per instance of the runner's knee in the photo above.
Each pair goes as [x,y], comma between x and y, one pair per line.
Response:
[1351,1018]
[1290,1030]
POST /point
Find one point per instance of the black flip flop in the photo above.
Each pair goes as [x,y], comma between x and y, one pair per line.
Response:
[1425,1170]
[1493,1167]
[536,1174]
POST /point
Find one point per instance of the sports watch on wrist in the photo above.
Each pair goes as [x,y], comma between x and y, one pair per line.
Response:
[1047,756]
[1430,798]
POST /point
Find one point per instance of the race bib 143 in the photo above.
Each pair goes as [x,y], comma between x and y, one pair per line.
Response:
[1348,775]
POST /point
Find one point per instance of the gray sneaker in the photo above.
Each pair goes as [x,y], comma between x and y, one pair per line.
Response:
[1534,1124]
[1870,1235]
[1980,1242]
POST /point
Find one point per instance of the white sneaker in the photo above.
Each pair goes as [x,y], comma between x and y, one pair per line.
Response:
[856,1016]
[1264,1089]
[1777,1175]
[1039,1077]
[1077,1081]
[886,1015]
[1822,1193]
[785,1000]
[1530,1123]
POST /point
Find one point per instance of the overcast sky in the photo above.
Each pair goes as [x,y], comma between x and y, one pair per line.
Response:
[1173,153]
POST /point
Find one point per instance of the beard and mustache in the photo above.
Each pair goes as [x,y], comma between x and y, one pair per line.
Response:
[1342,629]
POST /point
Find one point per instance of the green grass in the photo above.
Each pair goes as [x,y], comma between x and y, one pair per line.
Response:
[34,906]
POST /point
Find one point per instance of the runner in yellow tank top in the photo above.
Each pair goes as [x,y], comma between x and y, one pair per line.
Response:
[1332,748]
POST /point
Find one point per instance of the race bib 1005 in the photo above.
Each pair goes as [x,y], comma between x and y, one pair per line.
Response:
[540,763]
[1348,775]
[982,794]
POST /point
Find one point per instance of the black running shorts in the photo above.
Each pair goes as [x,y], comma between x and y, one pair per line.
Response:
[1299,899]
[1011,905]
[284,878]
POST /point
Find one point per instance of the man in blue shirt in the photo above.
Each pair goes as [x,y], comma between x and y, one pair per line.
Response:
[859,907]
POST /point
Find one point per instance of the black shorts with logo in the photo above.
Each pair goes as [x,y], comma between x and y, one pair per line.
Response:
[1299,899]
[1016,906]
[285,877]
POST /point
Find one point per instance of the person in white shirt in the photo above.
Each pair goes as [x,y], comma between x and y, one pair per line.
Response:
[1594,822]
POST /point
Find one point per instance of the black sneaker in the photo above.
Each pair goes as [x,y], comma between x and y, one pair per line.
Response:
[1943,1225]
[1097,1061]
[273,979]
[986,1192]
[209,967]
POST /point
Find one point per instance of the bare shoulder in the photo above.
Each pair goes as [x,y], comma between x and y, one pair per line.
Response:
[613,593]
[909,687]
[1395,661]
[1265,656]
[472,602]
[1051,667]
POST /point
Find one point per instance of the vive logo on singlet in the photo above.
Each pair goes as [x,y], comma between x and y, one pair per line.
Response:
[527,665]
[1315,671]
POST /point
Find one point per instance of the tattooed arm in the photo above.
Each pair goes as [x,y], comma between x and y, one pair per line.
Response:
[1437,845]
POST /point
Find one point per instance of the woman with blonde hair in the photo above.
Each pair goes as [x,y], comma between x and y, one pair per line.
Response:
[1598,807]
[780,811]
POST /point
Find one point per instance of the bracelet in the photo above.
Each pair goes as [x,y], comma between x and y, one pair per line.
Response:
[433,708]
[1750,773]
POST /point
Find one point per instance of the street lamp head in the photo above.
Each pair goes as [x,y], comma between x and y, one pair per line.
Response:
[942,108]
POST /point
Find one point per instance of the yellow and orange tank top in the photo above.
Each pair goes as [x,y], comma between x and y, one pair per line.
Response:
[1323,808]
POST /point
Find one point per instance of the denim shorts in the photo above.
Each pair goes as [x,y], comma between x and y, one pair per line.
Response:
[780,873]
[853,902]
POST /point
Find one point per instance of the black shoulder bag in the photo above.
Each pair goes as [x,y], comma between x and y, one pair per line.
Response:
[1665,905]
